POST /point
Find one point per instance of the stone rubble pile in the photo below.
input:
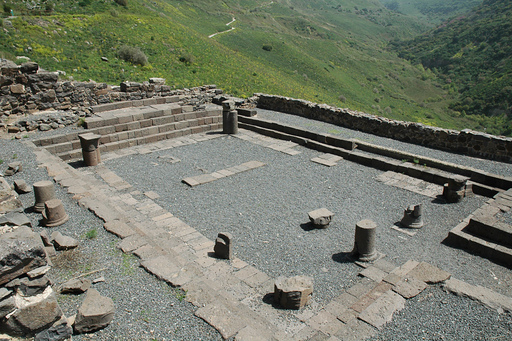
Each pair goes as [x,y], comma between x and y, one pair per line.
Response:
[28,300]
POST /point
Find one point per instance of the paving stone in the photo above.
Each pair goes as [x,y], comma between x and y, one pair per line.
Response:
[361,289]
[246,272]
[225,319]
[381,311]
[163,216]
[163,267]
[257,279]
[478,293]
[152,195]
[324,162]
[373,273]
[356,330]
[384,265]
[348,315]
[392,279]
[370,297]
[147,252]
[237,263]
[325,322]
[119,228]
[250,334]
[131,243]
[428,273]
[409,287]
[404,269]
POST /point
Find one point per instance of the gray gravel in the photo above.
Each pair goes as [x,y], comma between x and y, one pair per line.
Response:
[500,168]
[146,308]
[431,316]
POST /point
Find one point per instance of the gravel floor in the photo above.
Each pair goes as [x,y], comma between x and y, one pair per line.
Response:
[499,168]
[266,210]
[146,308]
[431,316]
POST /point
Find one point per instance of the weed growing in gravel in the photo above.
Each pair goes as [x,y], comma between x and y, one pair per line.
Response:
[91,234]
[1,161]
[180,294]
[14,156]
[127,264]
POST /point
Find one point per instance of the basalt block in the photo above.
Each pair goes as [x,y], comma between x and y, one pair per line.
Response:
[293,292]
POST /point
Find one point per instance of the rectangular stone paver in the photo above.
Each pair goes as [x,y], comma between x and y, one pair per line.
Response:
[206,178]
[381,311]
[225,319]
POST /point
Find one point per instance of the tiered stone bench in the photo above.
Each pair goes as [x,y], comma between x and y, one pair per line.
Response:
[483,233]
[127,125]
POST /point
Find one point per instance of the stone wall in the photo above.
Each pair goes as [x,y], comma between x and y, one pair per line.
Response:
[26,89]
[466,142]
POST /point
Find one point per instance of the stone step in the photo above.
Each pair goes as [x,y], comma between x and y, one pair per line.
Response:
[135,141]
[492,183]
[157,127]
[492,231]
[127,115]
[341,147]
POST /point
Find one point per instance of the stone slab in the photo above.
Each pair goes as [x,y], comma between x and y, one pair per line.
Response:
[381,311]
[373,273]
[119,228]
[478,293]
[409,287]
[428,273]
[226,320]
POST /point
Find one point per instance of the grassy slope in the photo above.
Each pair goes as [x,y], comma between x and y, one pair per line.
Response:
[432,11]
[321,50]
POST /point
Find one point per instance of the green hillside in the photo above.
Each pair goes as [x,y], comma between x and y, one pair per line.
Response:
[326,51]
[432,11]
[473,54]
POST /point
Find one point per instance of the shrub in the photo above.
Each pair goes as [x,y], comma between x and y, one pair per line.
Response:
[133,55]
[7,8]
[187,58]
[342,98]
[122,2]
[267,47]
[114,13]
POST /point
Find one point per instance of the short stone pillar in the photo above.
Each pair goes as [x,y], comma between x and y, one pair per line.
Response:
[90,151]
[364,244]
[223,246]
[456,189]
[413,217]
[321,218]
[54,213]
[43,191]
[293,292]
[229,118]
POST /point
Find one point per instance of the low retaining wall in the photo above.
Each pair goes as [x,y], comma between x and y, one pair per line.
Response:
[466,142]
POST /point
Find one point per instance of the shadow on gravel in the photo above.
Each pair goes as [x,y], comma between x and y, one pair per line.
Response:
[77,164]
[269,299]
[439,200]
[308,226]
[343,257]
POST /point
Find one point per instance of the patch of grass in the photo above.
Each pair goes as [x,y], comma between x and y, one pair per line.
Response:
[91,234]
[81,122]
[180,294]
[14,156]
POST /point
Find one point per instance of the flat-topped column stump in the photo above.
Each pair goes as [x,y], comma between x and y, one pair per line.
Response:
[364,244]
[456,189]
[90,151]
[229,118]
[321,218]
[43,191]
[223,246]
[293,292]
[54,213]
[413,217]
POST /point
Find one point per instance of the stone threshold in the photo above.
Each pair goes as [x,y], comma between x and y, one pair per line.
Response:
[206,178]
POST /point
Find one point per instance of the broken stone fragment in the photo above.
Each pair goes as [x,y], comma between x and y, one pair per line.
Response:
[95,313]
[13,168]
[293,292]
[61,330]
[321,218]
[32,314]
[75,286]
[63,242]
[8,198]
[33,287]
[21,187]
[7,306]
[20,252]
[15,219]
[39,271]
